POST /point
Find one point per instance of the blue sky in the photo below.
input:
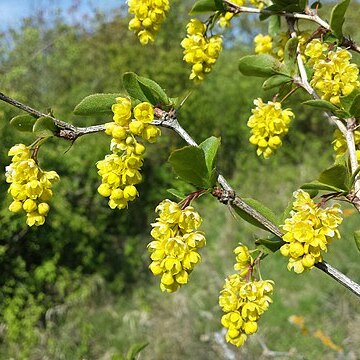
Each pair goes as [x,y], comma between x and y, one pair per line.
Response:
[12,11]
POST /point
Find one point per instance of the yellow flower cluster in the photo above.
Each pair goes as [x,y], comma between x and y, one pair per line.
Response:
[148,16]
[334,75]
[174,251]
[242,300]
[30,186]
[340,145]
[308,232]
[120,171]
[260,4]
[268,123]
[224,20]
[263,44]
[316,50]
[199,50]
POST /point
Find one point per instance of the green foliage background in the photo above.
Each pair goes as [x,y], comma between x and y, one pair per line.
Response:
[79,287]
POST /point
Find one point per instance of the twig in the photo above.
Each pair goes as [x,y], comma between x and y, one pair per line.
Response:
[250,10]
[310,16]
[169,120]
[66,130]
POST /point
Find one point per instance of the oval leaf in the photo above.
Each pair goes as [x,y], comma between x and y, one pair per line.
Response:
[316,186]
[157,91]
[144,89]
[96,104]
[290,56]
[210,147]
[262,65]
[321,104]
[205,6]
[337,176]
[274,25]
[44,127]
[190,165]
[338,17]
[347,101]
[276,80]
[355,107]
[133,88]
[23,123]
[273,244]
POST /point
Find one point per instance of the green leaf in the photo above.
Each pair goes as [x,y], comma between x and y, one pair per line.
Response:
[290,56]
[347,101]
[357,239]
[338,17]
[268,10]
[353,177]
[157,91]
[96,104]
[178,194]
[276,80]
[273,244]
[259,207]
[23,123]
[262,65]
[321,104]
[205,6]
[318,186]
[190,165]
[210,147]
[274,25]
[144,89]
[337,176]
[133,88]
[355,107]
[135,350]
[44,127]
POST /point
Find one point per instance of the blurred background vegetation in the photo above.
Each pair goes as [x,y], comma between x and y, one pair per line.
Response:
[78,287]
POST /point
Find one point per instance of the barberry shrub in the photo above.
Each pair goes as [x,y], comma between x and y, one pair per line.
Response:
[289,59]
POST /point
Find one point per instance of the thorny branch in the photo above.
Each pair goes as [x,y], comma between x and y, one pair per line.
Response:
[169,120]
[65,130]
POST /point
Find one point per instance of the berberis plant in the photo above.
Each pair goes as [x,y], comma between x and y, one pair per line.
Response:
[290,60]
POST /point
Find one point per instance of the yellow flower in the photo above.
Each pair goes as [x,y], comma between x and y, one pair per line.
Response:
[263,44]
[243,299]
[148,16]
[334,75]
[340,145]
[122,111]
[269,123]
[144,112]
[243,303]
[199,50]
[195,27]
[174,250]
[260,4]
[120,171]
[308,232]
[30,186]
